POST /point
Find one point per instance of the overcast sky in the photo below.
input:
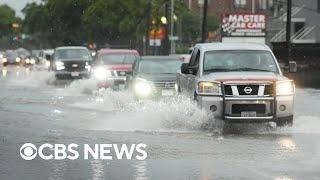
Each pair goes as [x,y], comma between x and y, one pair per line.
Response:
[17,5]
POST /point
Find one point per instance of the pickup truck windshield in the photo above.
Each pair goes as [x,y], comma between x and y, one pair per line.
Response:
[78,54]
[117,58]
[239,60]
[159,67]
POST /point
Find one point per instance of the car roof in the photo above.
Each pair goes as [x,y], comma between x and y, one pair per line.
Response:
[71,47]
[159,58]
[232,46]
[117,51]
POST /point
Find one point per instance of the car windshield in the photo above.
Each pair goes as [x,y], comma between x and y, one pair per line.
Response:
[159,66]
[117,58]
[239,60]
[12,55]
[35,53]
[78,54]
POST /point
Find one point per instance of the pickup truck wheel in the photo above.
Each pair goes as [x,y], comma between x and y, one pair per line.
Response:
[288,121]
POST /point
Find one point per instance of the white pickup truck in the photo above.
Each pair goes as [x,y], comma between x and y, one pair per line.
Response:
[238,83]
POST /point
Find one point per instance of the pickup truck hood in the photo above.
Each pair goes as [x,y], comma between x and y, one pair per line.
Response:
[119,67]
[158,77]
[243,77]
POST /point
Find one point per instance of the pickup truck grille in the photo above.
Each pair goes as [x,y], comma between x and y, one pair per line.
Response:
[72,66]
[164,84]
[119,73]
[248,89]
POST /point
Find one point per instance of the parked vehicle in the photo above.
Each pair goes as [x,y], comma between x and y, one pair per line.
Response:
[71,62]
[238,82]
[112,66]
[154,76]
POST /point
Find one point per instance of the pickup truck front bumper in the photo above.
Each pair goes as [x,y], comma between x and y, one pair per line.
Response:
[235,109]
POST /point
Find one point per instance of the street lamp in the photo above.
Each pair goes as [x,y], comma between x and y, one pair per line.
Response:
[164,20]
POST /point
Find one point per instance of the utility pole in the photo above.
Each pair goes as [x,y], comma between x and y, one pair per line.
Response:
[148,12]
[172,48]
[288,30]
[204,21]
[253,6]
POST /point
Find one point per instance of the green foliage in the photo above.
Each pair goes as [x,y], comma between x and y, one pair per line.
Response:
[7,18]
[74,22]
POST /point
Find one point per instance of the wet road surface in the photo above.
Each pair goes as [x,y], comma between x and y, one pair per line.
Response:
[34,109]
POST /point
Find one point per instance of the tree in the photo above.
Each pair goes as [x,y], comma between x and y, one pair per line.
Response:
[7,19]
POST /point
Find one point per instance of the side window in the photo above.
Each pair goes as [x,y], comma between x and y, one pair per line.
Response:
[196,61]
[193,57]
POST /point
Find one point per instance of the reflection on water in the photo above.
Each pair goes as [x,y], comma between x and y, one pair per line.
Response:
[4,72]
[283,178]
[97,170]
[141,170]
[58,170]
[287,144]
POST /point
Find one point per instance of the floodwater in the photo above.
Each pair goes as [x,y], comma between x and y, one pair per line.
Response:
[36,109]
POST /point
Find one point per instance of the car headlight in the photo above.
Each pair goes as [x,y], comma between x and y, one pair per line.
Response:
[18,59]
[285,87]
[27,60]
[210,88]
[101,73]
[59,65]
[32,61]
[1,56]
[142,87]
[88,67]
[4,60]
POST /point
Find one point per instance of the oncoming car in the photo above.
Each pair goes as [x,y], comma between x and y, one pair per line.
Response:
[238,82]
[154,76]
[112,66]
[71,62]
[11,58]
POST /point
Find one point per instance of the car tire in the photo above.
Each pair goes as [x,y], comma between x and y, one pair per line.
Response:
[287,121]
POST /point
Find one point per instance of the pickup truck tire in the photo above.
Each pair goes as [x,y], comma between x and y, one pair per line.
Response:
[287,121]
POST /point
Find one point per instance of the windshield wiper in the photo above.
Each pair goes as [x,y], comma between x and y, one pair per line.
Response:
[217,70]
[250,69]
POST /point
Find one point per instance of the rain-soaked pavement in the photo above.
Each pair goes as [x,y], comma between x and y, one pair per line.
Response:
[33,109]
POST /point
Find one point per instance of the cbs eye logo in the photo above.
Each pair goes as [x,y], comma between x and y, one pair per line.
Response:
[28,151]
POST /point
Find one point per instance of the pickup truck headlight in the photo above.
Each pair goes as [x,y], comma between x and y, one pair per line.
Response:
[142,87]
[4,60]
[18,59]
[285,87]
[101,73]
[59,65]
[209,88]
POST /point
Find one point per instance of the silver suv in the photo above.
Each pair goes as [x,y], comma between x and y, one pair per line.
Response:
[238,82]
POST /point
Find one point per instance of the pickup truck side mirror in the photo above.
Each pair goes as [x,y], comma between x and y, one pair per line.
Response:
[48,57]
[293,67]
[184,68]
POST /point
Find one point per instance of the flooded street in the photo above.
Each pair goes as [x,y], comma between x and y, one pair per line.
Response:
[36,109]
